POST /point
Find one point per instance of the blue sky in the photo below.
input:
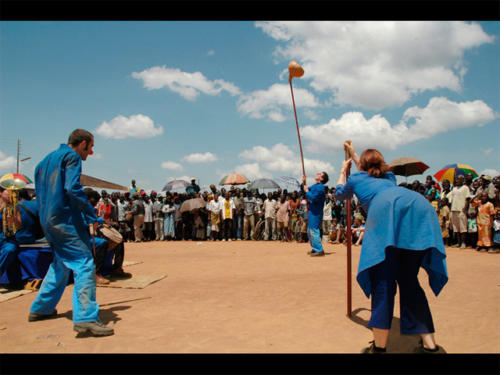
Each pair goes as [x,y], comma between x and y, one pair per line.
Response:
[182,99]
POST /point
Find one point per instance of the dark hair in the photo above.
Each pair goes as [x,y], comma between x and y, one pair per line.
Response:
[372,161]
[24,194]
[325,178]
[91,193]
[77,136]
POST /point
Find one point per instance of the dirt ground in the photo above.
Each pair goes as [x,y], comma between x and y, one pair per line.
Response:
[257,297]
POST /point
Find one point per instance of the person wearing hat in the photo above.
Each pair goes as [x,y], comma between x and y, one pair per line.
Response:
[193,188]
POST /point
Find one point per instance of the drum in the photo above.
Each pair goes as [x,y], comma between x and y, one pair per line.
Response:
[111,234]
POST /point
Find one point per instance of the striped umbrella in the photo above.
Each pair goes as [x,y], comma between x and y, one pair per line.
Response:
[14,181]
[449,172]
[233,179]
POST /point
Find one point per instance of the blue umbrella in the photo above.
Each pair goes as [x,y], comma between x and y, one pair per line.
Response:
[175,184]
[289,181]
[263,183]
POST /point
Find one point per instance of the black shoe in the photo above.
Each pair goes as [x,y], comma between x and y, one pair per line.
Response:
[421,349]
[317,253]
[372,349]
[33,317]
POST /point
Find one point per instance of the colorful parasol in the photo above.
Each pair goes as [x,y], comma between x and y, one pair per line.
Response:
[449,172]
[234,179]
[14,181]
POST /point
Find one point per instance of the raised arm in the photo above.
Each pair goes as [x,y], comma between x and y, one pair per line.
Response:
[349,147]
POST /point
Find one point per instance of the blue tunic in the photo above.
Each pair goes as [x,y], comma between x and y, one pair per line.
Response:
[26,235]
[397,217]
[316,197]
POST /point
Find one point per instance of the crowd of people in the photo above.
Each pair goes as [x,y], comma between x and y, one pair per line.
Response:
[468,213]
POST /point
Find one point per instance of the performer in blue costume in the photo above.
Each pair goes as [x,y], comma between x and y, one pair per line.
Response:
[402,234]
[63,206]
[315,196]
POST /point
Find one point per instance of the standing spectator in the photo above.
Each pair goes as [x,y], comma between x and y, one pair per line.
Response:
[249,210]
[168,211]
[138,212]
[444,220]
[133,189]
[496,234]
[238,214]
[158,217]
[485,215]
[457,198]
[148,218]
[227,214]
[269,208]
[487,186]
[283,210]
[193,188]
[327,217]
[446,189]
[214,207]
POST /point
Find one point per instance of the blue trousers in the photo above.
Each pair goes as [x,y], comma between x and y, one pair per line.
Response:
[85,306]
[400,267]
[315,238]
[8,253]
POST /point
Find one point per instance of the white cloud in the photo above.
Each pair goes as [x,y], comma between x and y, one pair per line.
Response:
[280,158]
[188,85]
[275,103]
[377,65]
[97,156]
[487,151]
[211,52]
[207,157]
[252,171]
[7,163]
[490,172]
[171,165]
[440,115]
[135,126]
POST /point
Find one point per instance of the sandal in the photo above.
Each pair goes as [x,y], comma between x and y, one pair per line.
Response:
[421,349]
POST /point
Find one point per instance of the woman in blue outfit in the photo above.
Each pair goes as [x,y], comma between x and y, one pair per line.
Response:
[402,234]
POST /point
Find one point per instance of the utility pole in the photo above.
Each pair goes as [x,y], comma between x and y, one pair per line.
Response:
[18,153]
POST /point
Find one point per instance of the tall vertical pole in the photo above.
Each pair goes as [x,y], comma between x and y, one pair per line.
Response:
[298,132]
[18,153]
[349,245]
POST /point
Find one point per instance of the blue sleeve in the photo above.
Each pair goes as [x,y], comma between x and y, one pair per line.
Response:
[75,190]
[346,191]
[316,194]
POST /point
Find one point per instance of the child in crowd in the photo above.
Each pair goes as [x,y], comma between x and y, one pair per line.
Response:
[336,232]
[496,234]
[485,213]
[358,231]
[444,220]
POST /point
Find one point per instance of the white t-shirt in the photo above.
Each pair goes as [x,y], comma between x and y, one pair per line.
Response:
[327,211]
[231,208]
[457,197]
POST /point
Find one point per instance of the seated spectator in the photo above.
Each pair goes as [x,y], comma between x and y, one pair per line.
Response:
[358,231]
[337,233]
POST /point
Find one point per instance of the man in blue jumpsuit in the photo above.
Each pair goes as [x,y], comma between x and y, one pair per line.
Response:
[63,206]
[315,196]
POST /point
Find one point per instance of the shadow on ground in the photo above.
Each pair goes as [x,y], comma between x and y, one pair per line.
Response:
[397,342]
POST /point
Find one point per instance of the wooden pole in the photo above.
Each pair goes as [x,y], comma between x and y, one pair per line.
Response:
[349,245]
[297,123]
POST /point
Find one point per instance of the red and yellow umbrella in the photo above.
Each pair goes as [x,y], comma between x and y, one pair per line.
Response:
[449,172]
[14,181]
